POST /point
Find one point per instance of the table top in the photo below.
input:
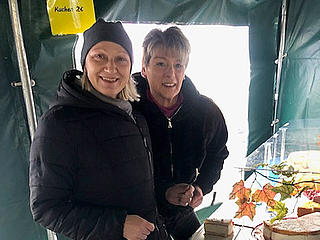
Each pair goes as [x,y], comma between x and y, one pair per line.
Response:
[245,228]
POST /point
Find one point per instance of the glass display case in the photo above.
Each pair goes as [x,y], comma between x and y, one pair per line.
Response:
[296,142]
[295,136]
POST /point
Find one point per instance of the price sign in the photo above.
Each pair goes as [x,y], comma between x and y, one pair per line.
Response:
[70,16]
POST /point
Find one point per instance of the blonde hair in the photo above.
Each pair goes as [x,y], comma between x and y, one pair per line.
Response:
[128,93]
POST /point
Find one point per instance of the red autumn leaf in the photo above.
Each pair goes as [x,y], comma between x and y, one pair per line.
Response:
[245,209]
[265,195]
[241,192]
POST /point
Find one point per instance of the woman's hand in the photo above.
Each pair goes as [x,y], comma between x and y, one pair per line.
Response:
[180,194]
[136,228]
[197,197]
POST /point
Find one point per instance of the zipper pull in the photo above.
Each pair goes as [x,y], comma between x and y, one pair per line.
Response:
[172,170]
[169,123]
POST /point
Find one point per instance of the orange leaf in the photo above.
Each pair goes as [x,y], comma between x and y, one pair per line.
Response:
[238,190]
[265,195]
[246,209]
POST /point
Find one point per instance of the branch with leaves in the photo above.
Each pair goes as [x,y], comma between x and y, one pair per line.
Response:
[286,187]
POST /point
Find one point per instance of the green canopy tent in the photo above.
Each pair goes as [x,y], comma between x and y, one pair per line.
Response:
[48,56]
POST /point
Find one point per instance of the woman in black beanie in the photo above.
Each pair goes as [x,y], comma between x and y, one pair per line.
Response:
[91,171]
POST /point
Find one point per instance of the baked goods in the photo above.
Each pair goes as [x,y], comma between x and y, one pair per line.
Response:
[304,160]
[217,237]
[307,163]
[302,228]
[307,208]
[218,229]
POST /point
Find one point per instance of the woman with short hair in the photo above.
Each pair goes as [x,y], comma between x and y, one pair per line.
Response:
[188,131]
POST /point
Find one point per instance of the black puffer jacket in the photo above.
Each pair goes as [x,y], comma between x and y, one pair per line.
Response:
[90,166]
[195,137]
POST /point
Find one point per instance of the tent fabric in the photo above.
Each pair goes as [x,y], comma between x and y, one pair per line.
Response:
[263,42]
[15,218]
[49,56]
[228,12]
[299,84]
[300,81]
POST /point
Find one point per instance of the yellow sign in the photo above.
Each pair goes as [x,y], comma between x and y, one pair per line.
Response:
[70,16]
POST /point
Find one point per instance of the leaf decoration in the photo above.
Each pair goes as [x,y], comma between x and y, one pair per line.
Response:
[281,210]
[280,169]
[289,187]
[245,209]
[285,190]
[283,169]
[298,192]
[265,195]
[289,172]
[240,191]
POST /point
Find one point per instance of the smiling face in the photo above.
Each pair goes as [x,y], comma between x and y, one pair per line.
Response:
[165,74]
[108,68]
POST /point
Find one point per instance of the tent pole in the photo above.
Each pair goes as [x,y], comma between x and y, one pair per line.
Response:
[281,56]
[23,66]
[25,78]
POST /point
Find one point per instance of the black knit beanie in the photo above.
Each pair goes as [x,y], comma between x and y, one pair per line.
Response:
[105,31]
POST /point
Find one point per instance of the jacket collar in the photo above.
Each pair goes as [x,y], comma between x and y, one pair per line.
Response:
[70,93]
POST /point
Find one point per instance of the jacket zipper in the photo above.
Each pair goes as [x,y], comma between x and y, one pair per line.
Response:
[156,223]
[145,144]
[170,143]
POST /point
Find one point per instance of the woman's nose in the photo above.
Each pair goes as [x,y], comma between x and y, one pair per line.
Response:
[170,70]
[110,67]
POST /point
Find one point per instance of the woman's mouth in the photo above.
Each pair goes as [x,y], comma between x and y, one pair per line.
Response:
[169,84]
[109,79]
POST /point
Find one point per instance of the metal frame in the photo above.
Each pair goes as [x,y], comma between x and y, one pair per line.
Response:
[281,56]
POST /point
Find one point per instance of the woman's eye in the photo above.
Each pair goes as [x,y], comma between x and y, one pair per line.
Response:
[160,64]
[122,60]
[99,56]
[179,66]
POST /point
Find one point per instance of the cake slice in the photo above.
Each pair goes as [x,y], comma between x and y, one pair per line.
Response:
[307,208]
[217,237]
[218,227]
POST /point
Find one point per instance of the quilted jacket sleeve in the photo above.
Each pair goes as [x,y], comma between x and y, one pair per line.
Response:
[215,148]
[52,180]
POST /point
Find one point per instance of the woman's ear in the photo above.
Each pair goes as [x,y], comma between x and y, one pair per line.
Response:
[143,72]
